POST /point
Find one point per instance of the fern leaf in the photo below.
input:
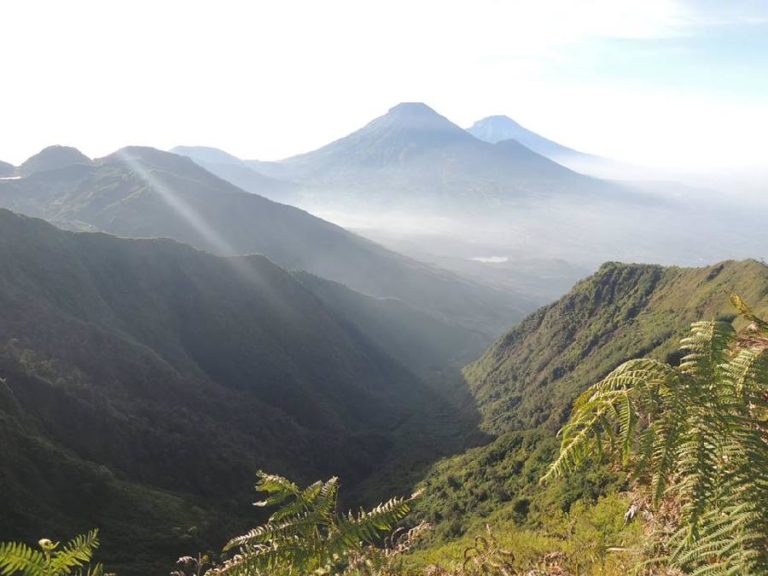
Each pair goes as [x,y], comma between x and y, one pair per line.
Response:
[16,557]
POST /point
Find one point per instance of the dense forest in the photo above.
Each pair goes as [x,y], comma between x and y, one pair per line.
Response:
[690,436]
[141,425]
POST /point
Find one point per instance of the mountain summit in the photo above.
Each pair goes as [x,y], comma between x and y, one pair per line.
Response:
[414,150]
[415,116]
[413,108]
[499,128]
[405,132]
[53,158]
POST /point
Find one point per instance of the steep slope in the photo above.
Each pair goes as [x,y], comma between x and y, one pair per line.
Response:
[524,385]
[141,371]
[141,192]
[624,311]
[53,158]
[415,339]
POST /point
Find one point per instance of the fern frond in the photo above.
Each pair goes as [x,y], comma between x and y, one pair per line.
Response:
[744,310]
[306,534]
[76,553]
[367,527]
[610,410]
[707,348]
[704,424]
[16,557]
[278,488]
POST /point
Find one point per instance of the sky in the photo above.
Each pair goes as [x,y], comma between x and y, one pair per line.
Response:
[672,83]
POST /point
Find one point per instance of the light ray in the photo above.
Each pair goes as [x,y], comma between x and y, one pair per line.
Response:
[241,263]
[178,205]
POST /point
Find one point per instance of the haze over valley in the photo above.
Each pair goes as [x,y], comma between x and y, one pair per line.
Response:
[420,184]
[460,290]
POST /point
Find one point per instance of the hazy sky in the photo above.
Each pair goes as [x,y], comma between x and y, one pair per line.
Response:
[663,82]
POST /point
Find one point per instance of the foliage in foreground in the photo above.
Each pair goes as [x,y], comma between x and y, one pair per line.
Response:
[306,535]
[588,539]
[695,437]
[51,559]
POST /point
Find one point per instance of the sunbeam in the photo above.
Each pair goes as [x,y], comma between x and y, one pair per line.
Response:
[241,263]
[178,205]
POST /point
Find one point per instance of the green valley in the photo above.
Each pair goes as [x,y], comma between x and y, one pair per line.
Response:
[144,383]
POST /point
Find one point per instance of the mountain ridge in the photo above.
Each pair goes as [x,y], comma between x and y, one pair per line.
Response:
[53,158]
[148,371]
[142,192]
[525,384]
[621,312]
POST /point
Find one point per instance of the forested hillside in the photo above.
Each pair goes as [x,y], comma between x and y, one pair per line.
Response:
[156,379]
[526,383]
[144,383]
[142,192]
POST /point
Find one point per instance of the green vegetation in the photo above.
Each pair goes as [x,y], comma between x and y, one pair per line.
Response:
[307,535]
[694,435]
[52,559]
[589,539]
[145,193]
[531,376]
[526,383]
[145,383]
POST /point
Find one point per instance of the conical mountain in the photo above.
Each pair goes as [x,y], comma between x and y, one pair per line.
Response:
[413,153]
[402,134]
[499,128]
[53,158]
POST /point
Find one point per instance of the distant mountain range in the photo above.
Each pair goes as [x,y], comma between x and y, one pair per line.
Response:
[142,192]
[241,173]
[412,157]
[419,183]
[177,330]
